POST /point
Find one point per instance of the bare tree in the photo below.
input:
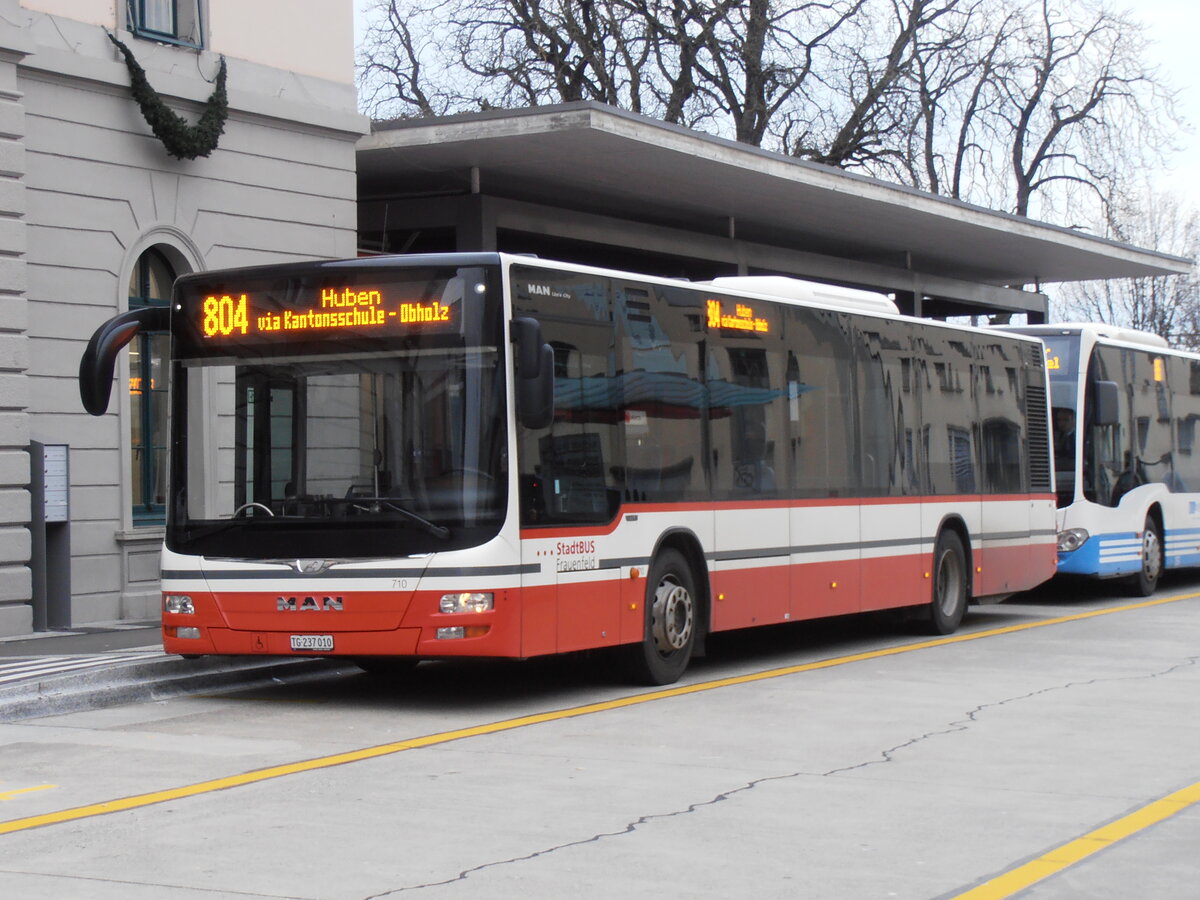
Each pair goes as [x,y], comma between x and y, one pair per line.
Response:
[956,81]
[394,62]
[766,56]
[876,93]
[1028,105]
[678,33]
[1065,90]
[1168,305]
[530,52]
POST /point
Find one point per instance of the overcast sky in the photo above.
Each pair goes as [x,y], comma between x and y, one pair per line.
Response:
[1174,28]
[1174,25]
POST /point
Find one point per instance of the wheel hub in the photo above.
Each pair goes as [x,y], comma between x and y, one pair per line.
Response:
[672,616]
[1151,558]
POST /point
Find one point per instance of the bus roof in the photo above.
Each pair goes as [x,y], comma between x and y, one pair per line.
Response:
[1094,330]
[787,288]
[780,288]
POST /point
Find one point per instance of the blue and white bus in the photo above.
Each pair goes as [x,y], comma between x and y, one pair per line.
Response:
[1128,478]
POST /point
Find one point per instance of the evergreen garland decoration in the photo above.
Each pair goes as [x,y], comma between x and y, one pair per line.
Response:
[181,140]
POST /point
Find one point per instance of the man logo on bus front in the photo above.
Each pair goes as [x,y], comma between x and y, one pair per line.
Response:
[312,566]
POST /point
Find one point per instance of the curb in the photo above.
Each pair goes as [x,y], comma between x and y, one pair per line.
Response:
[155,679]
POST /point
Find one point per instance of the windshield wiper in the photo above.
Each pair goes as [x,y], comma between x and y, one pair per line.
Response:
[375,503]
[365,504]
[196,534]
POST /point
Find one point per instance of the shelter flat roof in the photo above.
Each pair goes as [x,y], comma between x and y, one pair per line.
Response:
[597,159]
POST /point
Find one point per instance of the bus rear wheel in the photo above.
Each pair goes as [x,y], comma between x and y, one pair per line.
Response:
[1145,582]
[671,620]
[950,585]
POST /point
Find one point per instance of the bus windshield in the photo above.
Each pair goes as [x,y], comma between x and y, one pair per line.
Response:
[361,446]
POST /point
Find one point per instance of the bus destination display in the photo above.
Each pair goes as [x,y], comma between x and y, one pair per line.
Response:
[743,318]
[234,314]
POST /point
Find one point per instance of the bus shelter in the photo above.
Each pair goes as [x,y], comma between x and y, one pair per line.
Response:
[593,184]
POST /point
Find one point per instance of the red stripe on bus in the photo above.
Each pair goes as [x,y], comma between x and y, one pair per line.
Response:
[578,613]
[528,534]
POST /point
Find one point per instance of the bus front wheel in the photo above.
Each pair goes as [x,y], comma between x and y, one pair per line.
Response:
[671,620]
[1145,582]
[950,585]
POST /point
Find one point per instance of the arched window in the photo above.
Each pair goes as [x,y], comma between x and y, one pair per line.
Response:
[149,285]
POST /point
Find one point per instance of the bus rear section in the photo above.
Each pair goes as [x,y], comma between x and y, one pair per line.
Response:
[739,459]
[1125,407]
[401,458]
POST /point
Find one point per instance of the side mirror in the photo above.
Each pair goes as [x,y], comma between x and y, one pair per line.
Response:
[96,365]
[535,374]
[1106,403]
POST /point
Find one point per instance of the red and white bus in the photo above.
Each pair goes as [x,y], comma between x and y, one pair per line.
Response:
[485,455]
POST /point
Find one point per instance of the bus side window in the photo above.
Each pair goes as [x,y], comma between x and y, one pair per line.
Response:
[888,387]
[1107,451]
[662,394]
[1185,382]
[823,410]
[947,416]
[567,470]
[1156,463]
[746,415]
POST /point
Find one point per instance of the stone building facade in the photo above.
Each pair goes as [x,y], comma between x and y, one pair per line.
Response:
[96,217]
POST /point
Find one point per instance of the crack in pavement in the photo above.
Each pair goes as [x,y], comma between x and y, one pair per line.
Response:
[628,829]
[959,725]
[886,756]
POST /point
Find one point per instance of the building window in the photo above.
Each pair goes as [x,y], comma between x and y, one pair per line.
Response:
[171,21]
[149,285]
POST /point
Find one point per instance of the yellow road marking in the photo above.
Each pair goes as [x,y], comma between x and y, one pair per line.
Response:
[431,740]
[1081,848]
[8,795]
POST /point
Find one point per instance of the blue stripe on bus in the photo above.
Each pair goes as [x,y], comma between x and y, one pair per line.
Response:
[1182,547]
[1104,555]
[1120,553]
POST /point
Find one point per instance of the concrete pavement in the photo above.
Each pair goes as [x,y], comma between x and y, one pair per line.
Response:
[845,759]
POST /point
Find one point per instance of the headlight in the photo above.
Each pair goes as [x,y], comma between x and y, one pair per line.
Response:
[178,603]
[1072,539]
[466,602]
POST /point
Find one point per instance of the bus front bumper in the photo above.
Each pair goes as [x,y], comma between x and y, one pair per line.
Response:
[419,630]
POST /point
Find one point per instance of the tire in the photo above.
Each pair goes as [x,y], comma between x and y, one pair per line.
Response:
[951,585]
[672,616]
[1145,582]
[383,667]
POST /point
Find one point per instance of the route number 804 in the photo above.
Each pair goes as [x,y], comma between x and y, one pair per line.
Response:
[222,315]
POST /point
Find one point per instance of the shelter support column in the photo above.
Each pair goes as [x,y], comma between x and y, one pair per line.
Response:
[909,302]
[475,224]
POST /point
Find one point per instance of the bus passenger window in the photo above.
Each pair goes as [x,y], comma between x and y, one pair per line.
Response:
[662,394]
[569,471]
[823,411]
